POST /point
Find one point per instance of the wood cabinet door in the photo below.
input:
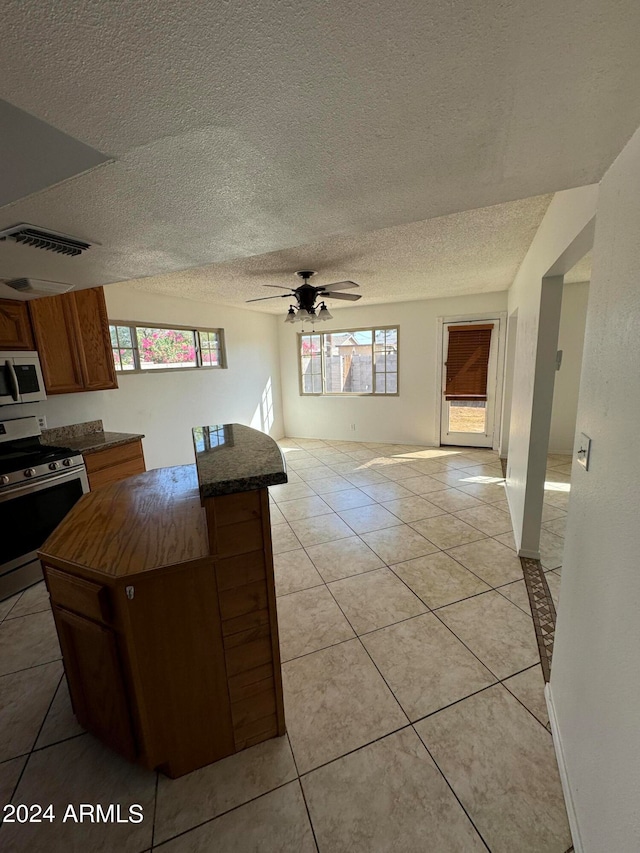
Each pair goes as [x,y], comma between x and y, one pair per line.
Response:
[53,320]
[15,328]
[96,683]
[94,343]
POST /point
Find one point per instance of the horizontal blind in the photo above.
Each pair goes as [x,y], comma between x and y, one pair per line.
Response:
[468,362]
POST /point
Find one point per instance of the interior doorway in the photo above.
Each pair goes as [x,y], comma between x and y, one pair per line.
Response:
[470,364]
[507,392]
[562,429]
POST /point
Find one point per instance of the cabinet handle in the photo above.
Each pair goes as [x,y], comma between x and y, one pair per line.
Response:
[130,591]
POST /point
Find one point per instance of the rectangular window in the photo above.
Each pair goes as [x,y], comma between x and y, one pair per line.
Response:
[356,361]
[137,348]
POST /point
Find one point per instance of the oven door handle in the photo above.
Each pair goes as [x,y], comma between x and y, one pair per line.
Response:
[79,472]
[15,392]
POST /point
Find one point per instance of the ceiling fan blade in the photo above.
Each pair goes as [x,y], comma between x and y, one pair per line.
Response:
[351,297]
[262,298]
[279,286]
[341,285]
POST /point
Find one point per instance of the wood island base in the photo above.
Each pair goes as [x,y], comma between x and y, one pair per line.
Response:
[165,609]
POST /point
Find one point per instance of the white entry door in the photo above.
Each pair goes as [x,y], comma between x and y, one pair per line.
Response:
[469,382]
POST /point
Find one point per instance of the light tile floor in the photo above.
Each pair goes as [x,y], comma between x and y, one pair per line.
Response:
[413,690]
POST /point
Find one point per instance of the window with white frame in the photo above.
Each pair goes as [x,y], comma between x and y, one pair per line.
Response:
[353,361]
[138,348]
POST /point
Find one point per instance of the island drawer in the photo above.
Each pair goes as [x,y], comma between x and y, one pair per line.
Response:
[78,595]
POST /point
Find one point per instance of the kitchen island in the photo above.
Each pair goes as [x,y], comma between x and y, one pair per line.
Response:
[163,594]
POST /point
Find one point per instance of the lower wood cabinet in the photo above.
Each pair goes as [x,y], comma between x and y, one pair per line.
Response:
[95,678]
[114,463]
[149,680]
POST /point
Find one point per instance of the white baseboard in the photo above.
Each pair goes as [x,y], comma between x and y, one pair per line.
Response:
[532,555]
[562,767]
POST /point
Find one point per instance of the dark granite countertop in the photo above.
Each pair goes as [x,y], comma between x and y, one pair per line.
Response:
[233,458]
[100,441]
[87,437]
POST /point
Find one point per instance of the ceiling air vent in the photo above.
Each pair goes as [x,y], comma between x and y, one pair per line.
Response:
[29,235]
[34,286]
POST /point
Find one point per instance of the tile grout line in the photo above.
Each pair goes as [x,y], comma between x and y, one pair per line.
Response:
[32,666]
[450,786]
[355,749]
[183,832]
[155,809]
[19,596]
[35,740]
[10,618]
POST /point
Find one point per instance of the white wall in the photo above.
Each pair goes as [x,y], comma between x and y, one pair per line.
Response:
[409,418]
[164,406]
[567,216]
[573,317]
[595,682]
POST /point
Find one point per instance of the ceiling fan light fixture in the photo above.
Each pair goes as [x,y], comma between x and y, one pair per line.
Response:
[308,298]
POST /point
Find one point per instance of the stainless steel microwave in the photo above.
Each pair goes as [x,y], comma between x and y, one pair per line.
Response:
[20,378]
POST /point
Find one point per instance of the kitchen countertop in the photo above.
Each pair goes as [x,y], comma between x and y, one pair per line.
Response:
[87,437]
[136,525]
[232,458]
[100,441]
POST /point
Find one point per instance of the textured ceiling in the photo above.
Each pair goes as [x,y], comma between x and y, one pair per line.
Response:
[240,129]
[477,251]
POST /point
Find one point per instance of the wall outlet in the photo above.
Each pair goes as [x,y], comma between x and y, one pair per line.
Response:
[353,427]
[42,422]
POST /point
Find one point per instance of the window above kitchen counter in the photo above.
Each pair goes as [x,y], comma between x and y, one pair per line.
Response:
[139,347]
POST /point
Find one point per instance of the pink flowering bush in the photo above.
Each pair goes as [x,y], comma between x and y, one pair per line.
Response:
[161,346]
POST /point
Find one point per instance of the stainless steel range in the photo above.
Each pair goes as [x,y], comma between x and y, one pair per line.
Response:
[38,486]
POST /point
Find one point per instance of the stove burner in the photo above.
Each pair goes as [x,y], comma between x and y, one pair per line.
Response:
[27,453]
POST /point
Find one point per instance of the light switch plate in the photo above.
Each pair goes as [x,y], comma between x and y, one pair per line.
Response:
[584,451]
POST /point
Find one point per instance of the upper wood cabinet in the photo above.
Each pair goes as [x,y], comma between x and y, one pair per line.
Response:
[15,329]
[72,338]
[96,356]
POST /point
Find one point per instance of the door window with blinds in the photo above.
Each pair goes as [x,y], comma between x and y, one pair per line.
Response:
[468,382]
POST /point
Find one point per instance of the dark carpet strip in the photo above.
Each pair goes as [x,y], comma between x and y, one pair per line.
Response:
[542,609]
